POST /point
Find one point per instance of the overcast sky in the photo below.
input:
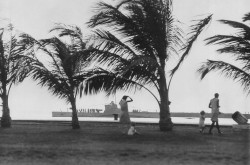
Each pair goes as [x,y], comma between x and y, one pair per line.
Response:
[187,93]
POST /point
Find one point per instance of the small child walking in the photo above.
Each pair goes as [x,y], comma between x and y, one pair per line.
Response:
[132,130]
[202,122]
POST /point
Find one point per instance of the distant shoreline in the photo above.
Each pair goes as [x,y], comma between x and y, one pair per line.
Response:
[68,123]
[223,115]
[142,114]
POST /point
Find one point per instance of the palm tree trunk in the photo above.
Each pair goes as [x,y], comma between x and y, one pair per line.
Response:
[6,119]
[75,122]
[165,122]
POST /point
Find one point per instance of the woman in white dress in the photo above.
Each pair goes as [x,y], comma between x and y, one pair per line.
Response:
[124,117]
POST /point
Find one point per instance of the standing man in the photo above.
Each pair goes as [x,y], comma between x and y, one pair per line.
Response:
[214,105]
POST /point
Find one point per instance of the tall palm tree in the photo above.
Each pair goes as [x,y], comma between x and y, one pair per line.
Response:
[133,41]
[56,64]
[238,46]
[9,70]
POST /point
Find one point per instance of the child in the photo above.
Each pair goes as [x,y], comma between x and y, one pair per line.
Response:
[132,130]
[202,121]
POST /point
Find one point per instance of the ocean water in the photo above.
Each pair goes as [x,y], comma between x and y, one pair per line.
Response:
[175,120]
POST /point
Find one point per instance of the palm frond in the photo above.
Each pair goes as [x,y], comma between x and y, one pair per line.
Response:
[103,80]
[141,75]
[122,25]
[236,50]
[107,15]
[142,69]
[58,46]
[67,30]
[28,42]
[107,41]
[244,30]
[196,30]
[229,41]
[106,58]
[74,33]
[157,28]
[235,46]
[53,82]
[225,39]
[228,70]
[66,66]
[246,17]
[61,55]
[160,27]
[124,2]
[9,51]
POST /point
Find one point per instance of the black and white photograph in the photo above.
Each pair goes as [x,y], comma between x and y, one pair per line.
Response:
[124,82]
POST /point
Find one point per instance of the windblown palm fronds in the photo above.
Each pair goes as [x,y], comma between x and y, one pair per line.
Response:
[196,29]
[58,65]
[238,46]
[9,69]
[133,41]
[246,17]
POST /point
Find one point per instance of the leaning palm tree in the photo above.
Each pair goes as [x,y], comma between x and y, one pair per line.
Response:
[132,42]
[236,45]
[60,65]
[9,70]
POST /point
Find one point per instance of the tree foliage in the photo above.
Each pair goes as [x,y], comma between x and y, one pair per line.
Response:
[236,45]
[10,68]
[58,64]
[133,41]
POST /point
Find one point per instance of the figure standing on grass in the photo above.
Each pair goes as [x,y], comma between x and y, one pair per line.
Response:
[214,105]
[202,122]
[124,118]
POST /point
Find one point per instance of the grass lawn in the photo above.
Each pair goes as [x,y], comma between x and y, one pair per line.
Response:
[95,143]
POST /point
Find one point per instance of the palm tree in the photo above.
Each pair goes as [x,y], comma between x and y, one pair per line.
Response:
[236,45]
[56,64]
[132,42]
[9,70]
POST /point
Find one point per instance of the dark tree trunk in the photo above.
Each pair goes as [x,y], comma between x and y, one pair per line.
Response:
[165,122]
[6,119]
[75,121]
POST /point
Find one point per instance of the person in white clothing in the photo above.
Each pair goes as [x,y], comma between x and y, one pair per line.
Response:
[132,130]
[214,105]
[202,122]
[124,116]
